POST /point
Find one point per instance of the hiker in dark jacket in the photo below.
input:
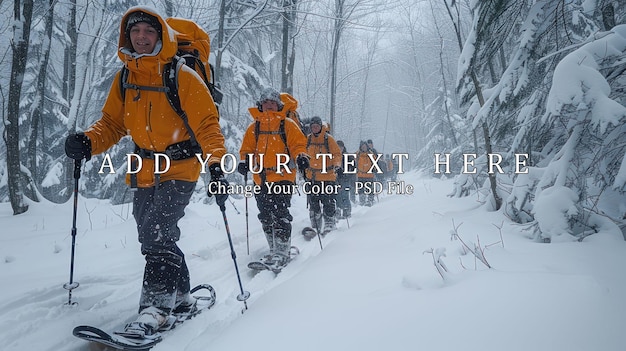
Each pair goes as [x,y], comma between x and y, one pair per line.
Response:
[346,192]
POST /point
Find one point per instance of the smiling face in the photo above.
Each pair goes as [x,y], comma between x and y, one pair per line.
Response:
[269,105]
[143,38]
[316,128]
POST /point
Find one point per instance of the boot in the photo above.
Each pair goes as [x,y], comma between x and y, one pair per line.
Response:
[269,236]
[267,259]
[329,224]
[281,256]
[316,220]
[282,247]
[341,213]
[185,303]
[150,320]
[347,212]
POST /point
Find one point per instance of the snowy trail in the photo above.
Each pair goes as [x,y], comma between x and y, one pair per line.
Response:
[373,287]
[108,267]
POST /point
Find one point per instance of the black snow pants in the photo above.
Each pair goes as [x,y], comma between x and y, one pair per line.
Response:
[157,211]
[274,212]
[345,193]
[325,204]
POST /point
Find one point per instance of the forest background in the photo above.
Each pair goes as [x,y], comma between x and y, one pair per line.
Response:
[543,78]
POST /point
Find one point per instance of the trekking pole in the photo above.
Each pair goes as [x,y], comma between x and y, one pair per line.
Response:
[72,284]
[317,225]
[245,179]
[319,236]
[244,294]
[234,207]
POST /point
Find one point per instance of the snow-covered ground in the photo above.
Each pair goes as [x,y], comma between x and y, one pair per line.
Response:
[373,287]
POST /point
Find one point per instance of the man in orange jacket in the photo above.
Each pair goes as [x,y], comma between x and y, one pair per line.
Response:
[271,134]
[146,45]
[324,176]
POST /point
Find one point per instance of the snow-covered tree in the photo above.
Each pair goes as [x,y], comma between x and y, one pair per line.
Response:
[578,188]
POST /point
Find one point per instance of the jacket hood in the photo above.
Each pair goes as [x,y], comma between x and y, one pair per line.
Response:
[266,116]
[291,104]
[325,129]
[165,49]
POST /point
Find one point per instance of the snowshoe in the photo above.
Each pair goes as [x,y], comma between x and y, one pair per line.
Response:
[134,341]
[274,262]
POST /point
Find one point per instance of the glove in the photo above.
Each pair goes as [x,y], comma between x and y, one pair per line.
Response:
[218,186]
[303,162]
[243,167]
[215,171]
[78,146]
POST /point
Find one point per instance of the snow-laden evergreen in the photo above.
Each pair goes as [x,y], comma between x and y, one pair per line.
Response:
[585,157]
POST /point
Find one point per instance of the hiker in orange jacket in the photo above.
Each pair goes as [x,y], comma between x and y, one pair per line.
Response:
[322,176]
[270,134]
[146,46]
[364,174]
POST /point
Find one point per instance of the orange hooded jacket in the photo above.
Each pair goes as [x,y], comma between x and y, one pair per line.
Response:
[148,117]
[364,163]
[315,146]
[269,142]
[290,106]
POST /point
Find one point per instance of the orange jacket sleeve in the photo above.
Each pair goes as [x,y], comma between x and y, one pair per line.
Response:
[109,129]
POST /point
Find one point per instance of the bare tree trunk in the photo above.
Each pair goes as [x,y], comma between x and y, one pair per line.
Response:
[481,100]
[38,108]
[69,57]
[69,86]
[285,48]
[22,16]
[291,65]
[220,42]
[488,149]
[288,56]
[445,95]
[608,17]
[368,64]
[169,8]
[339,7]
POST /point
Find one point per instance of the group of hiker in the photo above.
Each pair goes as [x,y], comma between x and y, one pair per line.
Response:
[181,129]
[277,129]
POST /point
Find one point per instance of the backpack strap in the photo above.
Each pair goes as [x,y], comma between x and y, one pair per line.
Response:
[125,85]
[283,134]
[308,142]
[170,81]
[123,79]
[281,131]
[326,142]
[192,60]
[215,91]
[170,88]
